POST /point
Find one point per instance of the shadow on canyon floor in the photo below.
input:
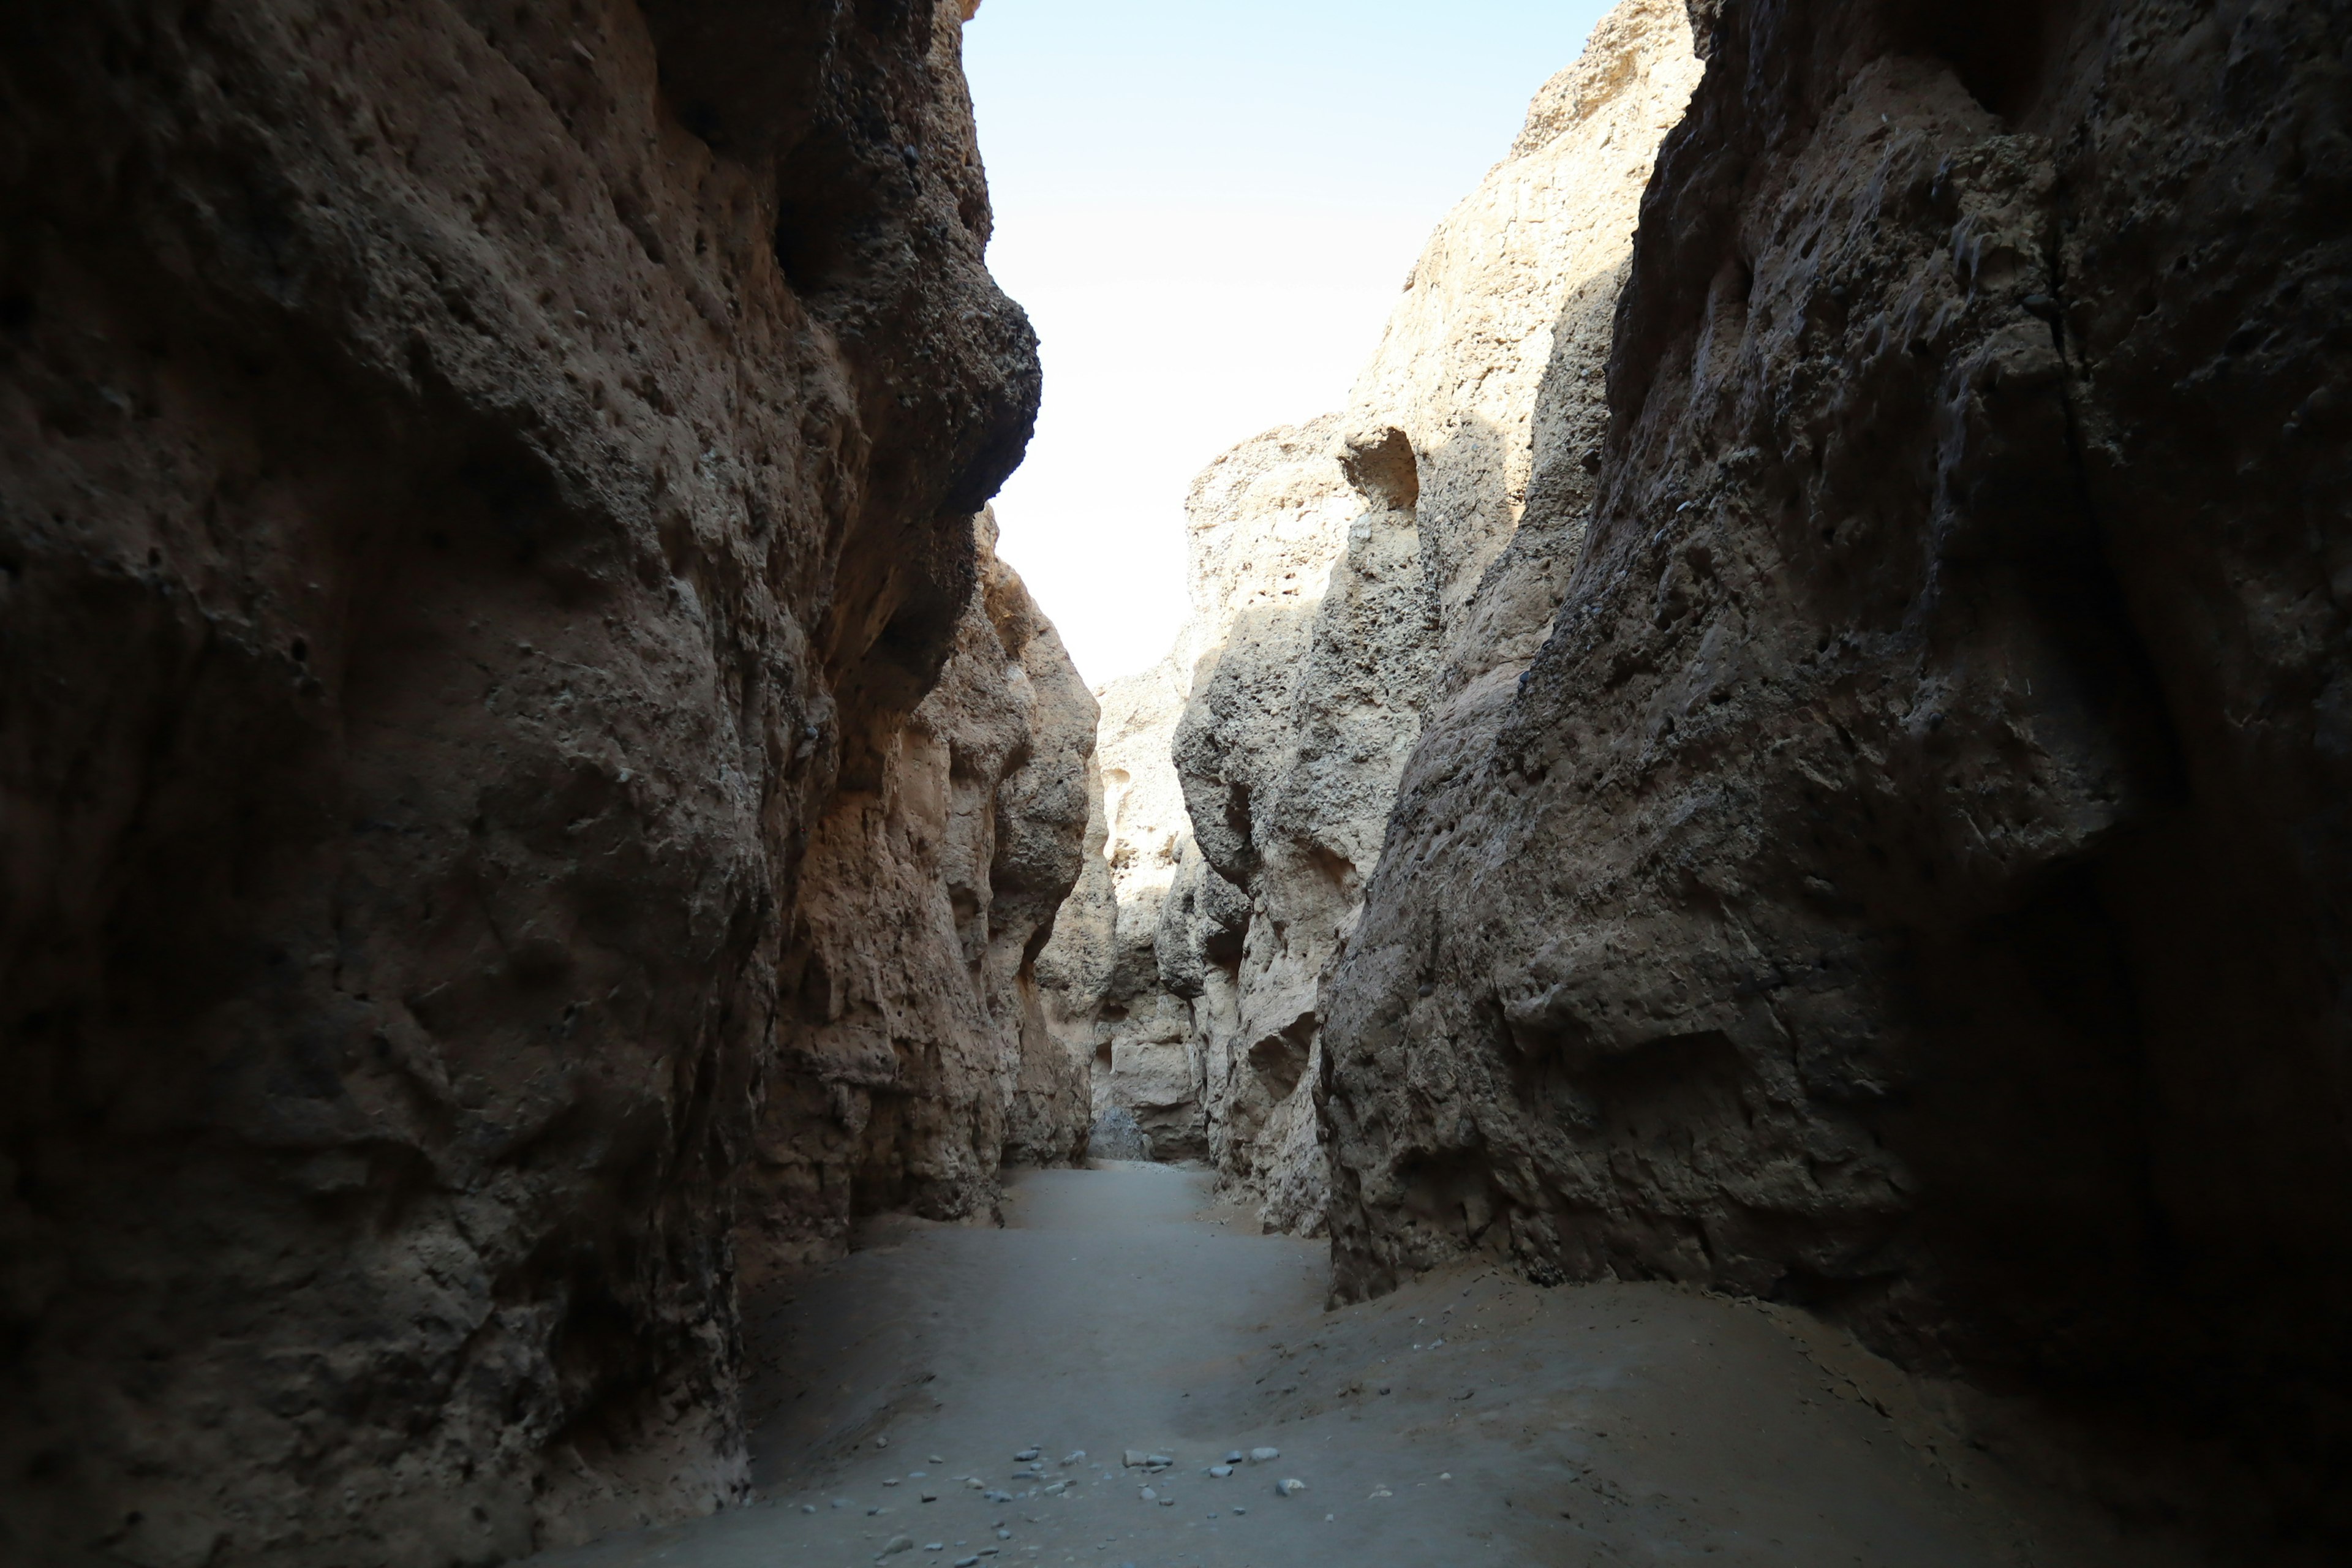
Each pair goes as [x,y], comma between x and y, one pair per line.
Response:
[1469,1417]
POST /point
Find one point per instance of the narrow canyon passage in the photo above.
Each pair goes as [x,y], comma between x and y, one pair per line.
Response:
[1723,931]
[957,1394]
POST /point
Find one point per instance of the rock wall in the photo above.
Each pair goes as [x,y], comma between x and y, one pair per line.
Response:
[1908,879]
[484,490]
[914,1052]
[1346,586]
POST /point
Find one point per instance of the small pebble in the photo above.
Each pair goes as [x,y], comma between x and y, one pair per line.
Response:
[1150,1496]
[930,1497]
[1074,1456]
[1260,1456]
[1004,1535]
[936,1460]
[935,1546]
[1025,1455]
[1288,1488]
[967,1563]
[1239,1511]
[891,1482]
[898,1543]
[1235,1457]
[808,1508]
[881,1442]
[1221,1471]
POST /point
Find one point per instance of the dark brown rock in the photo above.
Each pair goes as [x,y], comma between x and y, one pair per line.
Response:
[474,479]
[1910,880]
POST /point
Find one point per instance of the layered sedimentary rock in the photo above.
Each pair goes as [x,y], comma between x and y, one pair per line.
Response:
[478,484]
[1908,879]
[914,1052]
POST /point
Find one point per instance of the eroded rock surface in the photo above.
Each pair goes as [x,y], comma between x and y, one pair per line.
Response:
[482,489]
[914,1054]
[1356,575]
[1909,877]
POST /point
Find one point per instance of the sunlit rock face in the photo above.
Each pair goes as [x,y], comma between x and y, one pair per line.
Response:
[486,494]
[1356,577]
[1906,877]
[915,1054]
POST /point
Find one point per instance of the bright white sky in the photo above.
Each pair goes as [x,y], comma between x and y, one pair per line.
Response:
[1208,207]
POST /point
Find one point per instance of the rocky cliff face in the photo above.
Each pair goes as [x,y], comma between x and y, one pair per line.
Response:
[915,1054]
[1347,586]
[485,495]
[1907,878]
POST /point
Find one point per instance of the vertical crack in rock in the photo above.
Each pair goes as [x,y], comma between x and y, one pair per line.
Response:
[485,546]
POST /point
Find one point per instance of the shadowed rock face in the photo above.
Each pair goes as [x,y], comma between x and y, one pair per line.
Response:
[478,485]
[1909,878]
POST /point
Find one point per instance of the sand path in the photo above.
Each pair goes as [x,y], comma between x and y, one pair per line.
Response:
[1470,1418]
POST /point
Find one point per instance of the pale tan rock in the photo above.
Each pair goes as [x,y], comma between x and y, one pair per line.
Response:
[1491,365]
[1345,578]
[917,1041]
[1336,584]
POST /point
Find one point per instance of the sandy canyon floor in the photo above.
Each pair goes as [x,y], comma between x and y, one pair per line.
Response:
[1470,1418]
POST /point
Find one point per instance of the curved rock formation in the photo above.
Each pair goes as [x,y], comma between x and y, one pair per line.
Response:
[485,491]
[1907,879]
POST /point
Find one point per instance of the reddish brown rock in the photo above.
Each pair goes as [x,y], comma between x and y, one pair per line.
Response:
[475,479]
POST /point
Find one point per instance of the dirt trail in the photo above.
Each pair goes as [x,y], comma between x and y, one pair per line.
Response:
[1469,1418]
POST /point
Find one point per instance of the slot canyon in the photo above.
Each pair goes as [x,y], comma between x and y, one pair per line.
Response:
[1725,934]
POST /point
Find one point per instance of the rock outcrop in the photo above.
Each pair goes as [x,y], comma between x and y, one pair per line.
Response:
[914,1052]
[1300,716]
[486,496]
[1356,575]
[1909,877]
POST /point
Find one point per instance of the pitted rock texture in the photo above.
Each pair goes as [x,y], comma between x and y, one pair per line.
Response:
[475,479]
[914,1050]
[1488,380]
[1300,717]
[1909,878]
[1144,1063]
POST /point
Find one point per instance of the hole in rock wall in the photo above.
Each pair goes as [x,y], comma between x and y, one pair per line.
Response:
[1996,48]
[1279,1060]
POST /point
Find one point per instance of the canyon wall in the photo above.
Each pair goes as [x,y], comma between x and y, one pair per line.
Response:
[1353,575]
[914,1052]
[1909,877]
[485,552]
